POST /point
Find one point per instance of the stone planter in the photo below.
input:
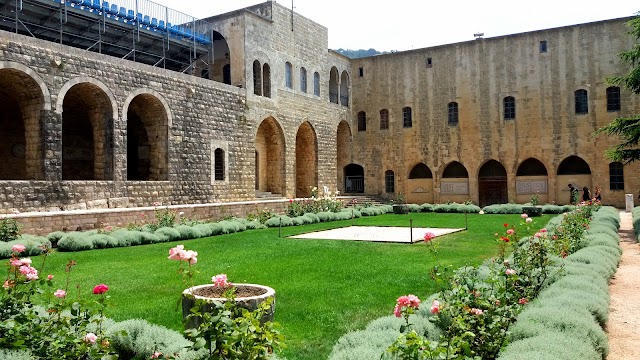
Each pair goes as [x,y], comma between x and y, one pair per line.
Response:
[532,210]
[400,209]
[250,303]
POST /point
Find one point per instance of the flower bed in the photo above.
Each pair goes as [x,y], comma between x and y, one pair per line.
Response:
[559,301]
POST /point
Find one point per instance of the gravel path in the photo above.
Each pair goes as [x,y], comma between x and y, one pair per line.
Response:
[623,327]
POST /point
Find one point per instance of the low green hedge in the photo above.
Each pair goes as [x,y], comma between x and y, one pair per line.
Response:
[517,209]
[33,245]
[566,320]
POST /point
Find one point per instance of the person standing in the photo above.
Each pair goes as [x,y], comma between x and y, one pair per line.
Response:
[598,194]
[573,195]
[586,194]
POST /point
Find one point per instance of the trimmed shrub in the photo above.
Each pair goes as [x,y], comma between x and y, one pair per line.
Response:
[216,229]
[278,220]
[313,217]
[188,232]
[298,220]
[75,241]
[556,209]
[503,209]
[549,318]
[556,345]
[165,234]
[203,229]
[468,208]
[149,238]
[55,236]
[137,338]
[7,354]
[228,227]
[239,225]
[326,216]
[130,237]
[444,208]
[414,208]
[426,207]
[101,241]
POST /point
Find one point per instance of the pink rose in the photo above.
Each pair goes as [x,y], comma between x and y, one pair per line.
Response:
[49,277]
[524,216]
[29,272]
[538,235]
[60,294]
[510,232]
[529,220]
[435,307]
[156,355]
[397,311]
[7,284]
[475,311]
[32,276]
[100,289]
[429,236]
[26,261]
[543,230]
[510,272]
[176,253]
[414,302]
[90,338]
[18,248]
[523,301]
[15,262]
[220,280]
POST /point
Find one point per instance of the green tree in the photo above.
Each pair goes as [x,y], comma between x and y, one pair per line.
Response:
[628,128]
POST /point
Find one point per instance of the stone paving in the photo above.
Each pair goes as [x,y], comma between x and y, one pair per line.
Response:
[376,234]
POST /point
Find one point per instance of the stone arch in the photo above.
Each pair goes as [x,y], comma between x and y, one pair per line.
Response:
[148,119]
[306,160]
[343,151]
[270,146]
[23,98]
[334,88]
[353,178]
[88,109]
[89,80]
[572,170]
[419,185]
[492,184]
[344,88]
[532,179]
[454,185]
[221,66]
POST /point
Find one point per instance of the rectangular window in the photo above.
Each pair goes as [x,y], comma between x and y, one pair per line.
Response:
[429,62]
[613,98]
[384,119]
[543,46]
[389,182]
[582,102]
[407,120]
[616,176]
[361,71]
[509,108]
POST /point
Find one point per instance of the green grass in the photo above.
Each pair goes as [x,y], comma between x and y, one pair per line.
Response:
[324,288]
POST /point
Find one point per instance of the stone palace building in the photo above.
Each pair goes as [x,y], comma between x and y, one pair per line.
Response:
[125,103]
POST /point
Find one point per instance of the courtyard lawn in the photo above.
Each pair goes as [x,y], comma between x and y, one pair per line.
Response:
[324,288]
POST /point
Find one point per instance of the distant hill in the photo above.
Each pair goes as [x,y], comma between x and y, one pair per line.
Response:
[353,54]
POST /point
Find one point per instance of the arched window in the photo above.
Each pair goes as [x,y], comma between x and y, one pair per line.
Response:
[257,78]
[389,182]
[509,108]
[582,101]
[344,88]
[613,98]
[288,75]
[218,164]
[407,121]
[574,165]
[420,171]
[455,170]
[452,119]
[531,167]
[266,80]
[616,176]
[316,83]
[333,85]
[303,80]
[384,119]
[362,121]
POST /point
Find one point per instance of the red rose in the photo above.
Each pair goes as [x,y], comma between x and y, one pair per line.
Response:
[505,239]
[100,289]
[505,225]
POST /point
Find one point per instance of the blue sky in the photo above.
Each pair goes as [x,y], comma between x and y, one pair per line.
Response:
[407,24]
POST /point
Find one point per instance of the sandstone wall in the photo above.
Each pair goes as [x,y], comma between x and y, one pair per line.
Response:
[478,75]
